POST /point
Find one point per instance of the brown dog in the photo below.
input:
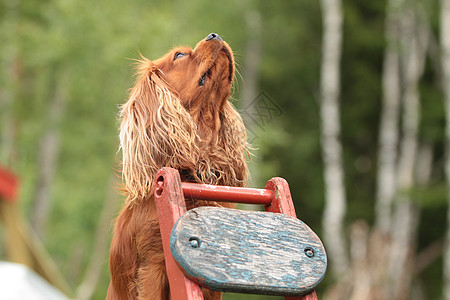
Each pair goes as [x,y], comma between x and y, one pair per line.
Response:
[178,115]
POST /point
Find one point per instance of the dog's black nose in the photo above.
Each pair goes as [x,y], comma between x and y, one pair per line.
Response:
[213,36]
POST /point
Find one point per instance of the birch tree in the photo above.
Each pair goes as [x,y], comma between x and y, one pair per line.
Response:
[445,62]
[388,138]
[251,75]
[48,155]
[10,78]
[101,243]
[335,198]
[414,41]
[251,65]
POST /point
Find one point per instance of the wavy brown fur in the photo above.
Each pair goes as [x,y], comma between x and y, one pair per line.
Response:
[171,120]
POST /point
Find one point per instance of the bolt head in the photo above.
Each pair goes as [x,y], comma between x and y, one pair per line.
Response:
[194,242]
[309,252]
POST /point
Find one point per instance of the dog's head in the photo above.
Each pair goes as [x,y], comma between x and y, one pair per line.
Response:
[202,77]
[178,115]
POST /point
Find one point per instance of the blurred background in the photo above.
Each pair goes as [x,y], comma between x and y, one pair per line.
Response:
[347,101]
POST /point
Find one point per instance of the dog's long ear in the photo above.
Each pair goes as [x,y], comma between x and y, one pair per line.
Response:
[228,154]
[156,131]
[233,142]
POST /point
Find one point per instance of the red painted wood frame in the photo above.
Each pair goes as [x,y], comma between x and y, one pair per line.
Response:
[169,197]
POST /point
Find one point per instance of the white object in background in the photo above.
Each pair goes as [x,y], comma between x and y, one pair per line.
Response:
[18,282]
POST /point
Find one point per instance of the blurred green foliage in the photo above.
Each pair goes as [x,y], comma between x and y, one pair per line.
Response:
[83,50]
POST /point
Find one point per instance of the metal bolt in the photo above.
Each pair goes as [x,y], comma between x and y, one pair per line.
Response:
[309,252]
[159,186]
[194,242]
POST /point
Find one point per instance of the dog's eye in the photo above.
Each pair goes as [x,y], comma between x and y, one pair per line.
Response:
[179,55]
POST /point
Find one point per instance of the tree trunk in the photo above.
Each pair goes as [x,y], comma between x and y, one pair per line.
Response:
[9,83]
[335,198]
[250,85]
[388,139]
[445,62]
[251,68]
[404,230]
[48,155]
[101,245]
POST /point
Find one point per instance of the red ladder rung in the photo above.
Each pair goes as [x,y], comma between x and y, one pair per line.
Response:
[227,193]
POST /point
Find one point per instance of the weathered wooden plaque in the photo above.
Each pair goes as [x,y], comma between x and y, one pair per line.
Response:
[253,252]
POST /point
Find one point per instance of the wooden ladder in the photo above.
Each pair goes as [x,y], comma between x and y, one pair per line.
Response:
[230,250]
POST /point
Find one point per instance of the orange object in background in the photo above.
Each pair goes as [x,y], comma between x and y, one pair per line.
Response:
[8,185]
